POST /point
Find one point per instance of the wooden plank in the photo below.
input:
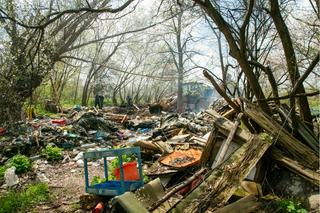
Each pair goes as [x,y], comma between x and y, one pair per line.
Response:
[295,167]
[164,147]
[299,151]
[208,148]
[225,145]
[307,135]
[219,186]
[225,125]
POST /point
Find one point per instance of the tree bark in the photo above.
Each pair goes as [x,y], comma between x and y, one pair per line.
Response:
[235,50]
[292,66]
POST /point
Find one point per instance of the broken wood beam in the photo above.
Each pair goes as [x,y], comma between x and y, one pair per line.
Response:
[226,143]
[295,167]
[219,186]
[147,145]
[307,135]
[299,151]
[224,125]
[205,156]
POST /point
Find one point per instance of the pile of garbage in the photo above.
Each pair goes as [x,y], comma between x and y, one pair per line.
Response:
[207,161]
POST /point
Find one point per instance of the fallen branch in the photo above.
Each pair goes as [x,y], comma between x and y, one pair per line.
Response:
[288,96]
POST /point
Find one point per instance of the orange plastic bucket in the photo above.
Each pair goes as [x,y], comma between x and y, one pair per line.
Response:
[130,171]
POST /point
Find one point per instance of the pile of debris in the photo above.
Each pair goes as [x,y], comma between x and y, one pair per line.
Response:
[196,162]
[209,172]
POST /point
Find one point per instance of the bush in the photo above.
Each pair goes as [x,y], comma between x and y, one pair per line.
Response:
[22,201]
[291,206]
[21,162]
[53,153]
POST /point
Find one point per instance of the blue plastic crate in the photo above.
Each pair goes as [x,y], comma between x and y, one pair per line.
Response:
[113,187]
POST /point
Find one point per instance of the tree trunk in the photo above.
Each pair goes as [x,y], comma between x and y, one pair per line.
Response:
[85,94]
[291,64]
[76,90]
[239,53]
[114,97]
[180,107]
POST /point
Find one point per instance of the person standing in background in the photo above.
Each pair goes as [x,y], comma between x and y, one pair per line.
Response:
[98,94]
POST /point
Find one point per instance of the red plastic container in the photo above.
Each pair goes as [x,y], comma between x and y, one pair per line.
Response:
[130,171]
[2,131]
[59,122]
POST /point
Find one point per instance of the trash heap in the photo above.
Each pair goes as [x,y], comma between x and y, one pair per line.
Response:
[195,162]
[223,167]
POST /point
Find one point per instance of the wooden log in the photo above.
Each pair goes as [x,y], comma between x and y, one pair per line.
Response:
[244,205]
[219,186]
[295,167]
[299,151]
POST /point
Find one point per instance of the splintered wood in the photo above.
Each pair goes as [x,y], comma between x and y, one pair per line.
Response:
[216,189]
[299,151]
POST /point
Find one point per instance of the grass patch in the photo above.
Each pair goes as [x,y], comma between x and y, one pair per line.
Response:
[22,201]
[53,153]
[21,162]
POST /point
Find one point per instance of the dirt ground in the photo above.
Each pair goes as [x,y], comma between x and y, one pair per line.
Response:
[66,183]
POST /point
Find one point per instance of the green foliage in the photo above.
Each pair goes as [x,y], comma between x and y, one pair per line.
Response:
[74,207]
[53,153]
[39,110]
[22,201]
[291,206]
[2,171]
[97,180]
[21,162]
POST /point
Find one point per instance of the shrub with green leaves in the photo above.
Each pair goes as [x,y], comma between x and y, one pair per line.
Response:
[53,153]
[2,171]
[291,206]
[23,200]
[97,179]
[21,162]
